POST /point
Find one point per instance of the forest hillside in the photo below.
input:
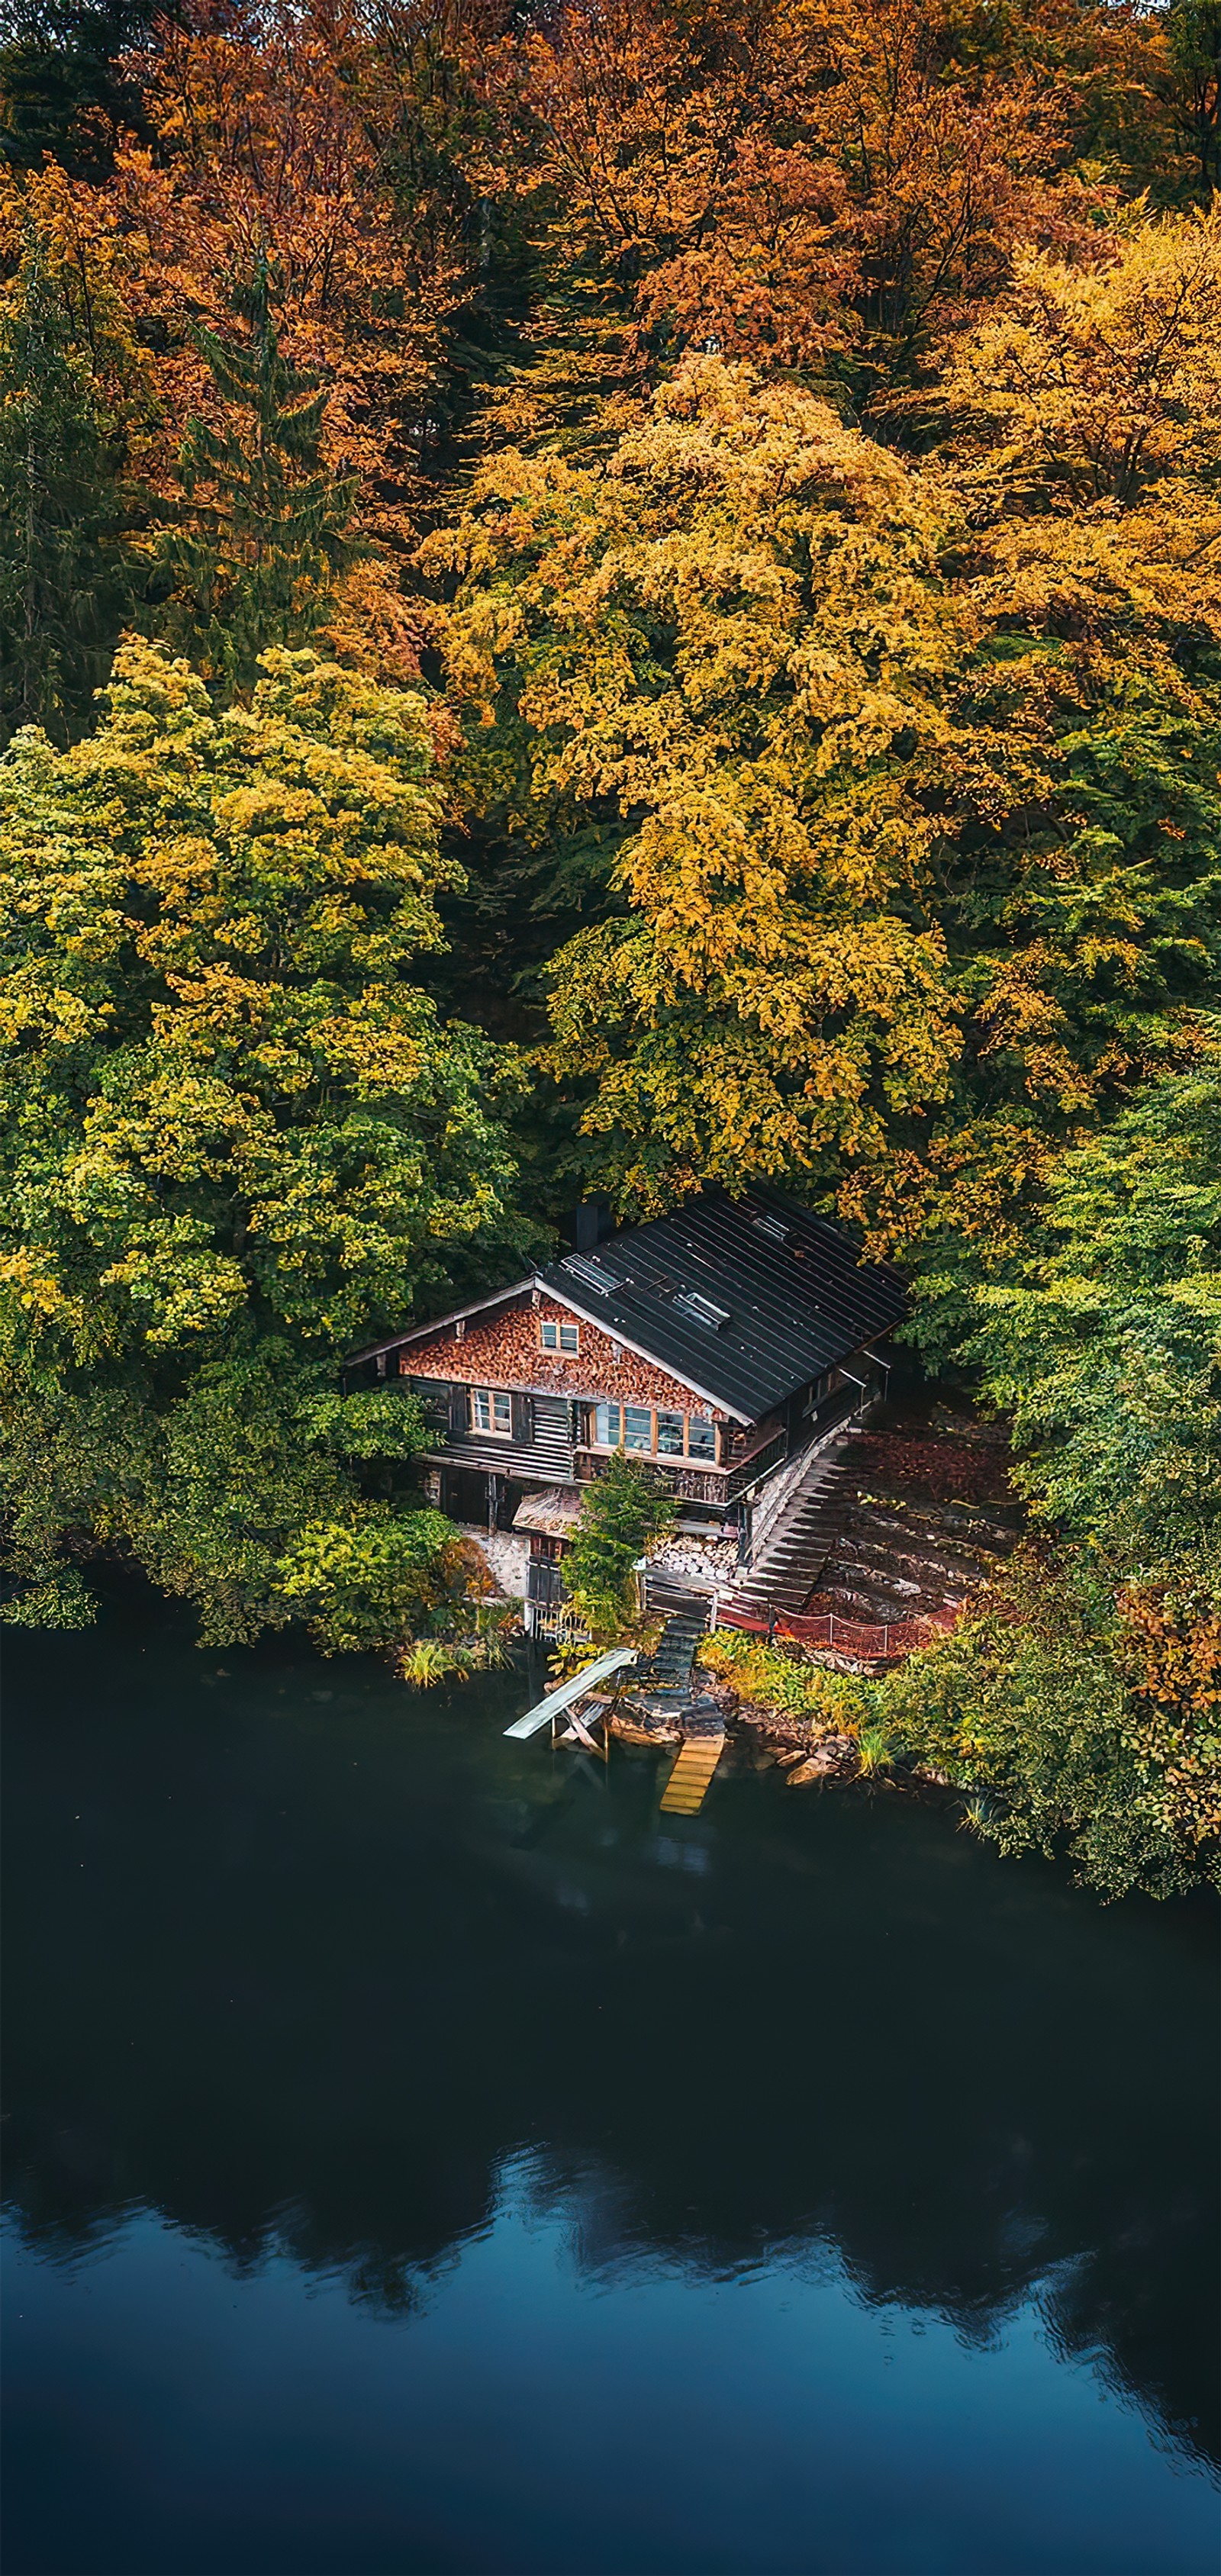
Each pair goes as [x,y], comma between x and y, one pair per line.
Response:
[604,598]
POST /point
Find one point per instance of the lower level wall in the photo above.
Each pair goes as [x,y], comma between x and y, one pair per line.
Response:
[771,1500]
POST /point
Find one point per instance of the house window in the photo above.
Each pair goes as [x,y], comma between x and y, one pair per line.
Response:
[560,1337]
[658,1434]
[491,1411]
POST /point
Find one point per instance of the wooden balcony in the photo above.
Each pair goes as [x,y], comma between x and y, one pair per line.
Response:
[715,1486]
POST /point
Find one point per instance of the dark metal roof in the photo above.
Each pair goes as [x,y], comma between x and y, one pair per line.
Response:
[793,1297]
[745,1300]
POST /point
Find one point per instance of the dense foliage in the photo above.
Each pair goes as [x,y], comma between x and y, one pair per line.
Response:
[622,1511]
[1101,1337]
[665,568]
[63,585]
[1082,1712]
[238,1140]
[1090,1691]
[898,784]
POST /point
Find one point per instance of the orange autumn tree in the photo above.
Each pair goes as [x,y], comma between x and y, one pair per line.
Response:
[1170,1658]
[265,154]
[826,183]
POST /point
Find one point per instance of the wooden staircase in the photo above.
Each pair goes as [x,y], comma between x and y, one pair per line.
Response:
[670,1597]
[796,1550]
[668,1685]
[666,1677]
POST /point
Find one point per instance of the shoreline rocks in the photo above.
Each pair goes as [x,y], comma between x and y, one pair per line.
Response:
[836,1756]
[809,1759]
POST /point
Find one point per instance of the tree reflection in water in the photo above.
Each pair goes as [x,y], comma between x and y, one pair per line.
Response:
[301,1961]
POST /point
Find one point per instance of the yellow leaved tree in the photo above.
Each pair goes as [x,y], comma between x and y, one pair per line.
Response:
[895,785]
[732,647]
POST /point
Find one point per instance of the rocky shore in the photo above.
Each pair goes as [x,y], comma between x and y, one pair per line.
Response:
[765,1736]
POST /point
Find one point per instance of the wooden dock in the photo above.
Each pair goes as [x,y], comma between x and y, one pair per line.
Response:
[686,1788]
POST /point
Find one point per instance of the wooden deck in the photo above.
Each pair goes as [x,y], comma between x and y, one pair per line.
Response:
[687,1786]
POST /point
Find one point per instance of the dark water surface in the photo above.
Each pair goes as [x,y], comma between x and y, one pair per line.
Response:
[421,2155]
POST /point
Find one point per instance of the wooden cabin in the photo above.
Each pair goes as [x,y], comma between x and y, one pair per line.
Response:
[716,1343]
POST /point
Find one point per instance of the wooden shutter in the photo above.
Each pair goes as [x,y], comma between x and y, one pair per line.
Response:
[523,1421]
[457,1412]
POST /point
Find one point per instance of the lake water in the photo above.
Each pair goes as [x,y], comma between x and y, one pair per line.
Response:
[423,2156]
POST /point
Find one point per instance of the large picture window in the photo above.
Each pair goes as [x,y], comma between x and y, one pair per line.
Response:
[490,1411]
[653,1433]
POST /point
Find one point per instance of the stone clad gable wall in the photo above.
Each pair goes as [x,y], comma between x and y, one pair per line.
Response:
[502,1349]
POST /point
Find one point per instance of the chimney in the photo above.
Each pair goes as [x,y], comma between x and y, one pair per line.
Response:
[589,1224]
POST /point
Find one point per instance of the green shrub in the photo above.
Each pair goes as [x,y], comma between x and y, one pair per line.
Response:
[621,1511]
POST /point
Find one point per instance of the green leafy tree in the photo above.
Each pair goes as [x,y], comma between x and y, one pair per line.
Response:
[237,1140]
[1085,1696]
[621,1512]
[1103,1341]
[265,526]
[1045,1707]
[64,578]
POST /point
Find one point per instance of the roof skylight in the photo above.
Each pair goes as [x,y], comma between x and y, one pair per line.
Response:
[703,1309]
[593,1274]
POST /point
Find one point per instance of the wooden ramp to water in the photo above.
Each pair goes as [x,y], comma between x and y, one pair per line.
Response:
[547,1710]
[686,1788]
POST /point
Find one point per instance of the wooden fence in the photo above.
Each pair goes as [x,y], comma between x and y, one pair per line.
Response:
[555,1620]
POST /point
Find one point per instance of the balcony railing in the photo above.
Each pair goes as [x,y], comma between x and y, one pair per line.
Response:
[556,1620]
[691,1484]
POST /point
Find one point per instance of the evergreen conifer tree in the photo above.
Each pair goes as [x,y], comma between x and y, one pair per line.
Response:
[1193,29]
[265,526]
[63,577]
[68,80]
